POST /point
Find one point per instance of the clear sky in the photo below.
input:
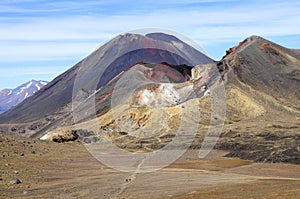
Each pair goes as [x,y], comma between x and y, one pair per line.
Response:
[39,39]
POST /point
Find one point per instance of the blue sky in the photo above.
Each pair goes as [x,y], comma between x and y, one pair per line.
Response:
[39,39]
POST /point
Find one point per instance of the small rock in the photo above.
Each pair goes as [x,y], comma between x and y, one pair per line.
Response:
[16,172]
[87,140]
[15,181]
[13,129]
[33,152]
[1,179]
[8,164]
[22,154]
[2,156]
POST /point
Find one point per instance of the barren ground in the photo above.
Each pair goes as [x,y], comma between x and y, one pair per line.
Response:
[68,171]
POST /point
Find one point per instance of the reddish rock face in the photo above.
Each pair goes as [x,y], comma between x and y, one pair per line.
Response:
[233,49]
[161,70]
[153,75]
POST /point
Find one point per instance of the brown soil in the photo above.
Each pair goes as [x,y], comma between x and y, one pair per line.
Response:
[262,189]
[67,170]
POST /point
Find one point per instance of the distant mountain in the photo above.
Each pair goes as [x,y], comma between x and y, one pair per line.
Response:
[12,97]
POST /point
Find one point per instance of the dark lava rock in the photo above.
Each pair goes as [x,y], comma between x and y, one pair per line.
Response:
[85,133]
[87,140]
[95,139]
[127,180]
[13,129]
[262,150]
[15,181]
[8,164]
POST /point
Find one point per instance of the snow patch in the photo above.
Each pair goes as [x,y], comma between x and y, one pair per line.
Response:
[48,136]
[45,137]
[44,83]
[26,95]
[28,85]
[10,92]
[37,86]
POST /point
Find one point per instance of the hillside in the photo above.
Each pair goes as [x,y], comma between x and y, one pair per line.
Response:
[146,105]
[144,113]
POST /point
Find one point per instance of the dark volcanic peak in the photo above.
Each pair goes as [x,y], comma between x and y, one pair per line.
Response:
[163,37]
[99,68]
[128,49]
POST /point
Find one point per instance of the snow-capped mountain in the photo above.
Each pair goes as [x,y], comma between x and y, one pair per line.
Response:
[12,97]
